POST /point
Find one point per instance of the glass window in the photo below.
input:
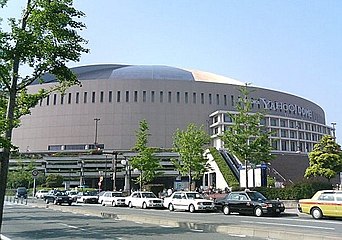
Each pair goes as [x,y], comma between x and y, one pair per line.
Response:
[118,96]
[326,197]
[202,98]
[77,97]
[110,96]
[127,96]
[225,100]
[152,96]
[210,98]
[54,99]
[93,95]
[194,98]
[169,97]
[69,98]
[135,96]
[161,96]
[217,99]
[144,96]
[186,97]
[85,96]
[101,96]
[62,99]
[178,97]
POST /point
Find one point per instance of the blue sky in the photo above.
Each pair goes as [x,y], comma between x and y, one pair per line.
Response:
[293,46]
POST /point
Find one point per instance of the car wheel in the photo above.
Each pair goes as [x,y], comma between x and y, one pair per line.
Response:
[130,205]
[144,205]
[47,201]
[113,204]
[316,213]
[102,203]
[84,201]
[69,203]
[191,208]
[258,211]
[226,210]
[171,207]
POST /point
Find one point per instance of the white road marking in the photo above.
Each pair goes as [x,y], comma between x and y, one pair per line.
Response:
[237,235]
[197,230]
[2,237]
[71,226]
[289,225]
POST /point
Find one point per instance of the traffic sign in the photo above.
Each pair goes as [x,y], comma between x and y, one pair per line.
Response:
[35,172]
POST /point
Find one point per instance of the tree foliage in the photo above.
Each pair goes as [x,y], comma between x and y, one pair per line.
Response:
[325,160]
[246,138]
[42,42]
[54,180]
[21,176]
[190,144]
[145,161]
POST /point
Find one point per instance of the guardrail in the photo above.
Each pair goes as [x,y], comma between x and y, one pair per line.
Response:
[13,199]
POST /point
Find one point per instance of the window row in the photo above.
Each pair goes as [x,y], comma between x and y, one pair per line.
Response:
[138,96]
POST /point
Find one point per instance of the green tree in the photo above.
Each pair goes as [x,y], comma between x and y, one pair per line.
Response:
[325,160]
[42,41]
[54,180]
[145,161]
[190,145]
[246,138]
[21,176]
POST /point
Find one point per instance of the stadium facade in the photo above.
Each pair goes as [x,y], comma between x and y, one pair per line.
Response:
[105,110]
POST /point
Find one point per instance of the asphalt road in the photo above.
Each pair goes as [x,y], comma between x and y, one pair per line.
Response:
[32,222]
[287,226]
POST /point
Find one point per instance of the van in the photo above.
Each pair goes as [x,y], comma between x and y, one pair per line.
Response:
[21,192]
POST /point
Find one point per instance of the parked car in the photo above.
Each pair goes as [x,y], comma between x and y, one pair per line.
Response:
[72,194]
[21,192]
[41,193]
[100,196]
[87,197]
[57,197]
[188,201]
[144,200]
[324,203]
[113,199]
[249,202]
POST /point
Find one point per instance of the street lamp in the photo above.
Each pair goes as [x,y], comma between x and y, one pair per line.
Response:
[127,186]
[333,124]
[95,140]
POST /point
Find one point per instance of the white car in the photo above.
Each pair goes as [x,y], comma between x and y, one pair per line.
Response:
[41,193]
[87,197]
[188,201]
[113,199]
[144,200]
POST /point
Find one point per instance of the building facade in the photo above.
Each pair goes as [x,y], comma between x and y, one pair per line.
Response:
[106,108]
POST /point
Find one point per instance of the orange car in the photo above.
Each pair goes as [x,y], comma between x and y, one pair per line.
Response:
[324,203]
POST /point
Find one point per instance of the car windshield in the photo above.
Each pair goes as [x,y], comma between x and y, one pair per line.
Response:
[61,194]
[194,196]
[117,194]
[148,195]
[256,196]
[90,193]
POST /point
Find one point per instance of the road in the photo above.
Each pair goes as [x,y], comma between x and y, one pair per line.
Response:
[287,226]
[30,222]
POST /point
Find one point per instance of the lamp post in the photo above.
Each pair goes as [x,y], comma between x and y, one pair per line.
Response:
[333,124]
[82,173]
[127,186]
[114,169]
[95,140]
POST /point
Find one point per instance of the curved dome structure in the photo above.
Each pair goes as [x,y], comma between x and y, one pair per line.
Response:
[142,72]
[168,98]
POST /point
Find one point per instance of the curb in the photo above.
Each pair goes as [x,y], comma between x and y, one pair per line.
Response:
[245,230]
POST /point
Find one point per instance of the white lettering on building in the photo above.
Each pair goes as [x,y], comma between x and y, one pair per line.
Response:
[287,107]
